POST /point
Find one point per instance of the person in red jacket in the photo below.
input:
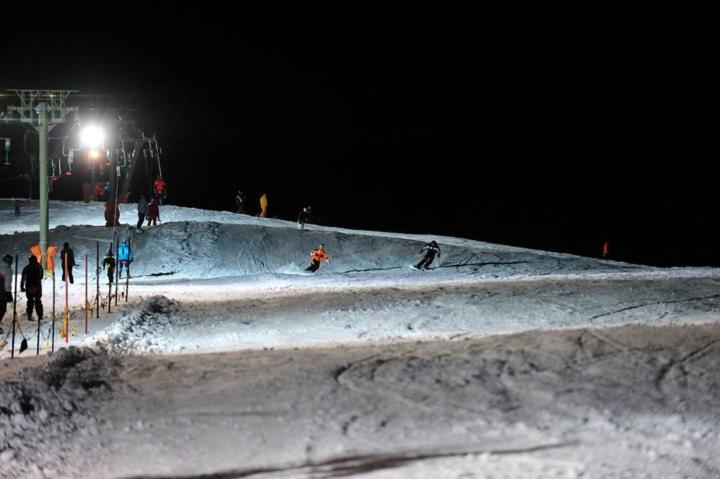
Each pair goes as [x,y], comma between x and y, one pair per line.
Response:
[159,187]
[606,249]
[317,255]
[153,213]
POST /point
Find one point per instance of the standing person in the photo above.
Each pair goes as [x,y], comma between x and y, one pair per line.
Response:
[142,211]
[109,263]
[17,207]
[125,257]
[240,202]
[432,249]
[304,217]
[263,206]
[606,249]
[112,214]
[6,279]
[159,188]
[31,285]
[317,255]
[153,212]
[99,191]
[67,258]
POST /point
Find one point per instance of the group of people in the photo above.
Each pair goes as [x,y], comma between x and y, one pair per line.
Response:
[145,209]
[124,258]
[241,204]
[33,274]
[305,215]
[149,209]
[431,251]
[30,284]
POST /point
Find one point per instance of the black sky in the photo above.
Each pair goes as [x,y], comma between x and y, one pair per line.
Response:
[544,125]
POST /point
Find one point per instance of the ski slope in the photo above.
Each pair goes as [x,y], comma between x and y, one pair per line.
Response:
[499,361]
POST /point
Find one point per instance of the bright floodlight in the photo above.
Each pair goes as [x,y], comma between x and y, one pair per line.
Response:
[92,136]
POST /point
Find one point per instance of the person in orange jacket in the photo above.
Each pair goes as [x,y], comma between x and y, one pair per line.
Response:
[51,250]
[263,206]
[317,255]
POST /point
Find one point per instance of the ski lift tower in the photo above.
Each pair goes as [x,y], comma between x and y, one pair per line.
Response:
[41,109]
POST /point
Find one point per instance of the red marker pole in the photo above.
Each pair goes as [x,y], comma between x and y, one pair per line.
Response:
[87,303]
[66,320]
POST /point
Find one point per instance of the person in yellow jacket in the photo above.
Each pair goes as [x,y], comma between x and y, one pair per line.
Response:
[263,206]
[317,255]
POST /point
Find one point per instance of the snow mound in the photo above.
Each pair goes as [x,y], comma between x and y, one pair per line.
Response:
[46,404]
[143,328]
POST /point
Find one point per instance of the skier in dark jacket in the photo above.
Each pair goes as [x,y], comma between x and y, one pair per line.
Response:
[432,249]
[31,285]
[109,263]
[67,258]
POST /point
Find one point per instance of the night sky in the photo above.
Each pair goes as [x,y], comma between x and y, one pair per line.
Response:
[554,125]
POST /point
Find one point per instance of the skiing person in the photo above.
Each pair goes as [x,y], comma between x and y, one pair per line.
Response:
[153,212]
[6,279]
[159,189]
[304,217]
[263,206]
[31,285]
[67,258]
[317,255]
[432,250]
[109,263]
[240,202]
[125,257]
[142,208]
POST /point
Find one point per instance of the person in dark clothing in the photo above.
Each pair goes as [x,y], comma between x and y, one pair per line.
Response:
[112,214]
[68,260]
[240,202]
[6,279]
[109,263]
[432,249]
[31,285]
[304,217]
[153,214]
[142,211]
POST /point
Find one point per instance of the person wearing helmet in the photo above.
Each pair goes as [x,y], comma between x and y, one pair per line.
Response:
[109,263]
[432,249]
[317,255]
[125,257]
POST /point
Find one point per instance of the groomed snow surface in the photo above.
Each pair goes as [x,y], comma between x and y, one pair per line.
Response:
[226,359]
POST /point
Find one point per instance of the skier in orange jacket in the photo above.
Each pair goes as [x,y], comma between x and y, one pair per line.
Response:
[317,255]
